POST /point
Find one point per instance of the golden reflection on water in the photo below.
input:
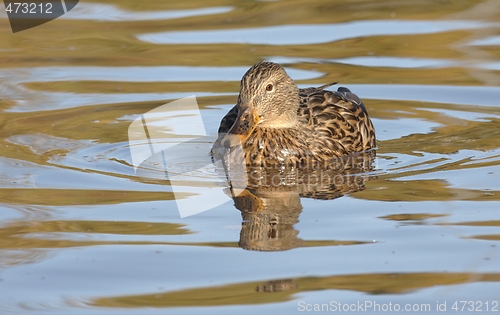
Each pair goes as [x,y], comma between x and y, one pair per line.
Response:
[421,143]
[246,293]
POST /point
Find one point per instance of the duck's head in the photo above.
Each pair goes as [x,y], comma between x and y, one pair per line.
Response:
[268,98]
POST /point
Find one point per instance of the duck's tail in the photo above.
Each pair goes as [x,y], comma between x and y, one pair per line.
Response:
[326,85]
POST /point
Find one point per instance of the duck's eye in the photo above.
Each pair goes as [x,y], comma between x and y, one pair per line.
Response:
[269,87]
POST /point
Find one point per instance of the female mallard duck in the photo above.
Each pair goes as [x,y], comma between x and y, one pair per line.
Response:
[278,123]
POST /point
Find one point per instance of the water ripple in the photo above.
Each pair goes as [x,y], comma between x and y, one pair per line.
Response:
[138,74]
[107,12]
[461,95]
[373,61]
[488,41]
[309,33]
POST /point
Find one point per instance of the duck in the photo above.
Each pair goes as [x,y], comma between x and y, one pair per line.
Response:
[276,123]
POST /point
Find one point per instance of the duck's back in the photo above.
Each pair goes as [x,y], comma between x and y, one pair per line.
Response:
[339,119]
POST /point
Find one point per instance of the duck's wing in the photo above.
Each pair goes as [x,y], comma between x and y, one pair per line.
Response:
[226,123]
[339,118]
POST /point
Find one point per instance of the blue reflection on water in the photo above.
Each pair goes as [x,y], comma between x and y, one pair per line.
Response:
[447,94]
[138,74]
[107,12]
[373,61]
[488,41]
[308,33]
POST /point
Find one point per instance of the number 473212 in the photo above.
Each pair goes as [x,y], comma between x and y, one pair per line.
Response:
[29,8]
[475,306]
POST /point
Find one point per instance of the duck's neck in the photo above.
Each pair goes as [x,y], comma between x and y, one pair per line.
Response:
[283,117]
[283,121]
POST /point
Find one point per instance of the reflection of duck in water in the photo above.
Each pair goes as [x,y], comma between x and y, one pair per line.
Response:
[268,220]
[277,123]
[270,205]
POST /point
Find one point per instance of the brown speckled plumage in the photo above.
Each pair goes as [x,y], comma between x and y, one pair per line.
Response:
[277,123]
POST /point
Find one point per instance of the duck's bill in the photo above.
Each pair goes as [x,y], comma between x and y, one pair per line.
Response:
[242,128]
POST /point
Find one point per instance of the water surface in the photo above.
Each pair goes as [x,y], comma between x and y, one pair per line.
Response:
[81,233]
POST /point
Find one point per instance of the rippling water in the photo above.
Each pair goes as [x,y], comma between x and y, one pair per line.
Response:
[81,233]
